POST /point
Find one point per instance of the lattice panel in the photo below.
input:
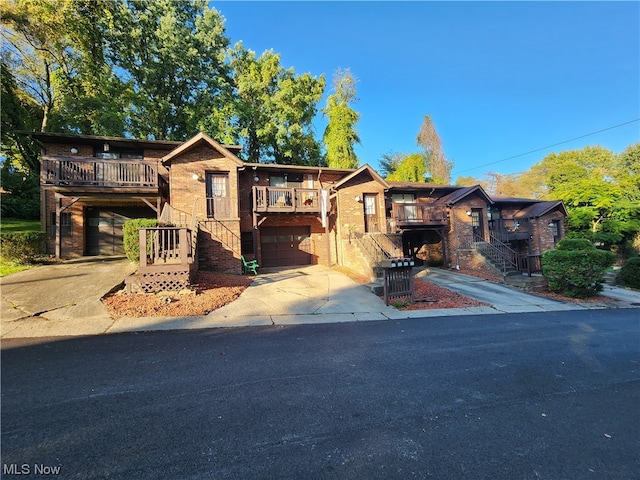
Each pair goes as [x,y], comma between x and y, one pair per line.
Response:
[153,282]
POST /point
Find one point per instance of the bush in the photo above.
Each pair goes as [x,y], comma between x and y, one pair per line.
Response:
[630,272]
[131,236]
[576,269]
[575,244]
[22,247]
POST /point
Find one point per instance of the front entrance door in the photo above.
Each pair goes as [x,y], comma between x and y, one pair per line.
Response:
[371,220]
[284,246]
[477,222]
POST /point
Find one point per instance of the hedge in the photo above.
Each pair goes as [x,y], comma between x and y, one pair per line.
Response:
[22,247]
[131,236]
[630,272]
[576,269]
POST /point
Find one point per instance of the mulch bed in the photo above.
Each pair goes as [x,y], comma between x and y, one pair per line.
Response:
[210,292]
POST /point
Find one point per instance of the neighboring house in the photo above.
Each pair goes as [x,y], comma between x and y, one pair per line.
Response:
[281,215]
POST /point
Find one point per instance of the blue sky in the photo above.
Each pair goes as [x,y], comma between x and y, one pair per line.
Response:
[499,79]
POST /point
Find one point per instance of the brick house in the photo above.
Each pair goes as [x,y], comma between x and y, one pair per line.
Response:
[281,215]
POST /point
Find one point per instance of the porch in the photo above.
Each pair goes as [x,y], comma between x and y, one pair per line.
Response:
[286,200]
[167,260]
[415,214]
[95,172]
[509,229]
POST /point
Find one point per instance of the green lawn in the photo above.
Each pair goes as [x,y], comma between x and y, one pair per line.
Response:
[18,225]
[15,225]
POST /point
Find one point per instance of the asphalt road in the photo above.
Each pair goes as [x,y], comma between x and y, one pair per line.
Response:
[527,396]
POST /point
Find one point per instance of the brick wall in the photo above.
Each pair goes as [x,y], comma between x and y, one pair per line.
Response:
[185,191]
[543,238]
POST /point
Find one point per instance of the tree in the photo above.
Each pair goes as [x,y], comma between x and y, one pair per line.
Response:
[54,51]
[19,112]
[171,58]
[412,169]
[390,162]
[340,136]
[274,109]
[600,190]
[429,140]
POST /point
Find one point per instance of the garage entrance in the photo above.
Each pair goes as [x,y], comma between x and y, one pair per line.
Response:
[284,246]
[104,228]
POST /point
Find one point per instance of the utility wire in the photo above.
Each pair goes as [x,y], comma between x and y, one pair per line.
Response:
[548,146]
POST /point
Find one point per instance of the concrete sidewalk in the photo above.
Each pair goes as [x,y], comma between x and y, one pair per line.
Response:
[64,300]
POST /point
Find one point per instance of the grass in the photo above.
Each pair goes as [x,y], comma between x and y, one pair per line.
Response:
[11,225]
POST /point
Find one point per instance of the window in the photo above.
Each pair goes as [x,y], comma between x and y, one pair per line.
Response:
[65,225]
[286,180]
[118,153]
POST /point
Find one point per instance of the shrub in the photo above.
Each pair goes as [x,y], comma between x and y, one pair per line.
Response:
[131,236]
[22,247]
[630,272]
[575,244]
[577,272]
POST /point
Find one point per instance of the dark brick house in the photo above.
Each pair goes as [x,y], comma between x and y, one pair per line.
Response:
[281,215]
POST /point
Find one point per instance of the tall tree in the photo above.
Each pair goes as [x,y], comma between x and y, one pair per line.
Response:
[599,189]
[54,50]
[429,140]
[171,55]
[19,112]
[341,135]
[274,109]
[389,162]
[413,168]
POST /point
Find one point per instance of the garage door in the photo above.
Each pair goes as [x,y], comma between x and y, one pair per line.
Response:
[284,246]
[104,228]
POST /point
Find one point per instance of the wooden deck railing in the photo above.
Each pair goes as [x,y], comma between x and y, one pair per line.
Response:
[166,246]
[72,171]
[419,214]
[505,230]
[279,199]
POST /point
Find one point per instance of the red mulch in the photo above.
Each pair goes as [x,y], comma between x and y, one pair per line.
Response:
[210,292]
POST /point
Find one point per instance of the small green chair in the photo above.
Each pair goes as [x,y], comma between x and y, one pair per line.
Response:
[250,266]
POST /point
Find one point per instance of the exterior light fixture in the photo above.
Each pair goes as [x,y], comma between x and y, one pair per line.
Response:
[256,178]
[468,212]
[358,199]
[105,147]
[74,150]
[195,176]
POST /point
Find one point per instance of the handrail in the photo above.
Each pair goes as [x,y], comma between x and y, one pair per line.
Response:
[419,213]
[522,262]
[218,229]
[162,245]
[282,199]
[89,171]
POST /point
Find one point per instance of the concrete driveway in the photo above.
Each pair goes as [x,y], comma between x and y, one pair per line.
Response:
[61,299]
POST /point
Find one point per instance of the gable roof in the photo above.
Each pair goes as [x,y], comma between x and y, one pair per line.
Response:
[359,171]
[539,209]
[121,142]
[200,139]
[463,192]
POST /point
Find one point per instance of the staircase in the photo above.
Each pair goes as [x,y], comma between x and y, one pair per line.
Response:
[499,257]
[504,259]
[228,239]
[378,247]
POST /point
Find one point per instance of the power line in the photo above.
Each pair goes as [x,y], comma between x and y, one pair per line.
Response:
[549,146]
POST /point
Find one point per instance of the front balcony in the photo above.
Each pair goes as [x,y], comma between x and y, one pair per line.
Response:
[507,230]
[74,172]
[419,214]
[286,200]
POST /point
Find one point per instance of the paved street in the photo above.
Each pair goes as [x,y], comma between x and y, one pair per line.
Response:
[552,395]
